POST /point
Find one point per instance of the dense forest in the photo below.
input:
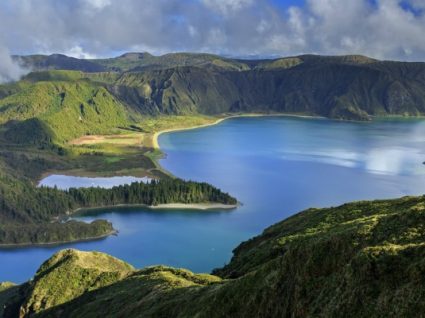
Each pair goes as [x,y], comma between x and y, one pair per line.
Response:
[31,214]
[27,217]
[153,193]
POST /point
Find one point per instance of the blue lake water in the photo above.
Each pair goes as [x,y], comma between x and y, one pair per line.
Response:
[276,166]
[65,182]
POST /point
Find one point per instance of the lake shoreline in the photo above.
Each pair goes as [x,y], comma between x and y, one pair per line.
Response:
[164,206]
[205,207]
[132,179]
[87,239]
[169,206]
[155,136]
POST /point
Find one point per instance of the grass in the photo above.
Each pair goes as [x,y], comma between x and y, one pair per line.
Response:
[90,271]
[118,154]
[70,108]
[110,160]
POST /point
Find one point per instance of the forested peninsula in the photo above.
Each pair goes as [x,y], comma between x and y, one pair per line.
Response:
[39,217]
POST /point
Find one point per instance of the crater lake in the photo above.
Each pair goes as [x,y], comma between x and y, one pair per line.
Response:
[275,166]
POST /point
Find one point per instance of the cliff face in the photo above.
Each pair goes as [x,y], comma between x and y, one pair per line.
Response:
[362,259]
[343,87]
[331,88]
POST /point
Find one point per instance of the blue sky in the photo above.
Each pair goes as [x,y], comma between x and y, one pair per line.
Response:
[384,29]
[287,3]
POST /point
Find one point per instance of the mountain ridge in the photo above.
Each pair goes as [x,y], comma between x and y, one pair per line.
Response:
[352,87]
[38,62]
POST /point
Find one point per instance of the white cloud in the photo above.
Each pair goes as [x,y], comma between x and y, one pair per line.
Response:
[78,52]
[98,4]
[9,70]
[227,6]
[84,28]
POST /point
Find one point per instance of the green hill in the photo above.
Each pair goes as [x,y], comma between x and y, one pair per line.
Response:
[70,107]
[361,259]
[343,87]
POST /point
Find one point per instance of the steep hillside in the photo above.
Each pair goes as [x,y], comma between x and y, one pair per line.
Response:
[70,107]
[90,271]
[362,259]
[315,86]
[343,87]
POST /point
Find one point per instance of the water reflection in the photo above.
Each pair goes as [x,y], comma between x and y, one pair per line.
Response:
[275,166]
[65,182]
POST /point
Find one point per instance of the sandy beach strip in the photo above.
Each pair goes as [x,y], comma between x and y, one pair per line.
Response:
[194,206]
[156,135]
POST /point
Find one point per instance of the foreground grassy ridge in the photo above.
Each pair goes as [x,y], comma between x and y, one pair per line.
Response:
[90,271]
[7,291]
[362,259]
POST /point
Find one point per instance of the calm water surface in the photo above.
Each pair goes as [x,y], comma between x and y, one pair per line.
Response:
[276,166]
[65,182]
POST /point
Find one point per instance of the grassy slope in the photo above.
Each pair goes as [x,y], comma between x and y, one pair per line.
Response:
[362,259]
[90,271]
[7,291]
[69,108]
[344,87]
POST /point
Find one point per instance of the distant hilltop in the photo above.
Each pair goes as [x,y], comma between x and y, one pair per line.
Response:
[134,61]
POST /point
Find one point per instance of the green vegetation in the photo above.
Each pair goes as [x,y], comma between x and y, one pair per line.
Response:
[7,291]
[145,61]
[344,87]
[70,109]
[99,117]
[283,63]
[90,271]
[361,259]
[32,215]
[31,145]
[153,193]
